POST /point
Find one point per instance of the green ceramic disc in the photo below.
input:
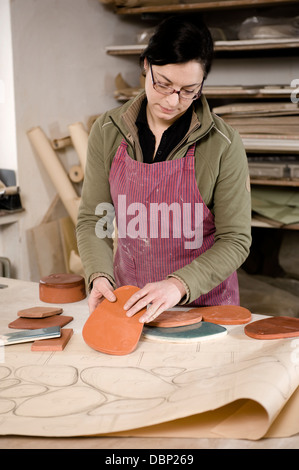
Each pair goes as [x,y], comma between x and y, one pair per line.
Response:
[201,331]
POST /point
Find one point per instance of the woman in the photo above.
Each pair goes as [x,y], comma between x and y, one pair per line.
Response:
[177,178]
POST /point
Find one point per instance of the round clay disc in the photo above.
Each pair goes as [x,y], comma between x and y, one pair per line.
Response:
[62,288]
[226,314]
[273,328]
[174,318]
[62,280]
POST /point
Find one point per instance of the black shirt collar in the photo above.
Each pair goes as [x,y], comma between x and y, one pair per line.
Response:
[171,137]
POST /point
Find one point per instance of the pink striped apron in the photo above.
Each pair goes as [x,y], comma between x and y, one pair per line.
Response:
[159,229]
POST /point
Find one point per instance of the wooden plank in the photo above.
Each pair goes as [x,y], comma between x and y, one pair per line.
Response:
[204,5]
[219,46]
[48,249]
[269,182]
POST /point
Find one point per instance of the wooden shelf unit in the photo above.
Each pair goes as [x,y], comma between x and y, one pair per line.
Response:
[233,47]
[219,46]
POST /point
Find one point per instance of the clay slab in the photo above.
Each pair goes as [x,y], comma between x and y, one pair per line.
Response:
[226,314]
[39,312]
[174,318]
[55,344]
[109,330]
[35,323]
[273,328]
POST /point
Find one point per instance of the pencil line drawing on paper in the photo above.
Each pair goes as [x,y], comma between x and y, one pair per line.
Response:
[96,393]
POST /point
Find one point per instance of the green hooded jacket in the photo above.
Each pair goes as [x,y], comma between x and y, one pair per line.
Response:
[222,177]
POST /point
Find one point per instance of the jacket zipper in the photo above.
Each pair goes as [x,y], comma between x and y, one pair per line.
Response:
[186,137]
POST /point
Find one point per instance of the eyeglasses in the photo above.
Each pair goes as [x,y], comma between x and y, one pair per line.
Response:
[167,90]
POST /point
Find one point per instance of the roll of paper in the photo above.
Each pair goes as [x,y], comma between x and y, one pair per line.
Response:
[76,174]
[55,171]
[79,137]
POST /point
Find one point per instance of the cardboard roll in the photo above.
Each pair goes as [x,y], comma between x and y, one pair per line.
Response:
[76,174]
[62,288]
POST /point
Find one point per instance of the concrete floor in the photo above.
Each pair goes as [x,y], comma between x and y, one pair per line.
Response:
[270,283]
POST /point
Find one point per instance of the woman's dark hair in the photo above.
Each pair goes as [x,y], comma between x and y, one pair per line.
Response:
[179,39]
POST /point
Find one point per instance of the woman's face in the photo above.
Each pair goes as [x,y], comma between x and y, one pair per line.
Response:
[168,108]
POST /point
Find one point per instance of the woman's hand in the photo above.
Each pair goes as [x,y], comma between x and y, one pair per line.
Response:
[161,295]
[101,289]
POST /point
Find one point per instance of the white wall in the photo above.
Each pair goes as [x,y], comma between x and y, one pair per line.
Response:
[254,71]
[62,75]
[8,152]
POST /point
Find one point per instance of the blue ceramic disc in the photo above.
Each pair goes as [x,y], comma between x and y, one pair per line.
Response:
[201,331]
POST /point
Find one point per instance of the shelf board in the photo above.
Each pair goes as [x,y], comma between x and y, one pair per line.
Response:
[236,91]
[278,182]
[126,50]
[219,46]
[263,223]
[7,218]
[257,92]
[201,6]
[256,44]
[285,146]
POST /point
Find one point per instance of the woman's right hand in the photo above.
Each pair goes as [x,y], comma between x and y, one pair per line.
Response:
[101,289]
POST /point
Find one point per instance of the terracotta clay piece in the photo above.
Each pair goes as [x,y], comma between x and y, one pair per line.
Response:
[109,330]
[273,328]
[226,314]
[173,318]
[39,312]
[62,288]
[55,344]
[36,323]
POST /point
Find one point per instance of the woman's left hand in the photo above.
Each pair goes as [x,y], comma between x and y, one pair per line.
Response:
[161,295]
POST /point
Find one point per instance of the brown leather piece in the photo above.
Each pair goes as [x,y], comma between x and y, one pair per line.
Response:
[54,344]
[35,323]
[39,312]
[273,328]
[109,330]
[173,318]
[226,314]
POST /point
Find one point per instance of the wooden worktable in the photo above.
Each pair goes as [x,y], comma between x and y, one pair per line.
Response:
[21,294]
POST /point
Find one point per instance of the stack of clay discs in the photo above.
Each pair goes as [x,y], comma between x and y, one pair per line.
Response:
[34,318]
[62,288]
[37,317]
